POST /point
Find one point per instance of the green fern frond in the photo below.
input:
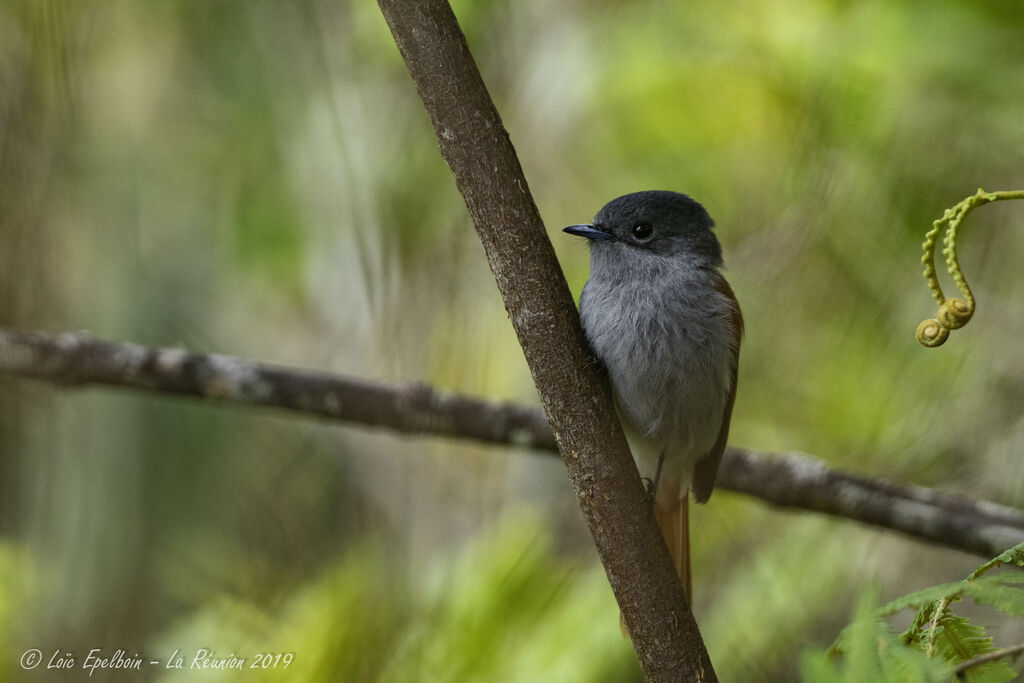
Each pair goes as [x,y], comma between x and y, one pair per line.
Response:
[872,652]
[1014,556]
[1006,599]
[815,667]
[917,631]
[935,641]
[1008,578]
[958,640]
[867,643]
[928,600]
[920,598]
[910,665]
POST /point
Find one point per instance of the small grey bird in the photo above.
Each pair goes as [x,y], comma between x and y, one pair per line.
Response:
[667,326]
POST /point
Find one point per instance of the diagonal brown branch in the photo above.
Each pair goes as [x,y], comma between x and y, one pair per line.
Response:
[576,399]
[788,480]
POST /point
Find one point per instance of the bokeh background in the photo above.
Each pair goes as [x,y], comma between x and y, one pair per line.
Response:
[259,178]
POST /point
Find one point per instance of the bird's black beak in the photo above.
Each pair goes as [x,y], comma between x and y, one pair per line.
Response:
[588,231]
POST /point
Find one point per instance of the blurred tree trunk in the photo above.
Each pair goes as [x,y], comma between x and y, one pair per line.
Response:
[42,46]
[31,125]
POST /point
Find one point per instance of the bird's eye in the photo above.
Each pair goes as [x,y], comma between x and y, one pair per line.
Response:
[642,231]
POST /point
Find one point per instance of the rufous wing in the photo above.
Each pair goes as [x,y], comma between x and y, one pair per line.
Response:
[705,470]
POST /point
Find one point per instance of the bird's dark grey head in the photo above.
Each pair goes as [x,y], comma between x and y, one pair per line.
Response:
[658,222]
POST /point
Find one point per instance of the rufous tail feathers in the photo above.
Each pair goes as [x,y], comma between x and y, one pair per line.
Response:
[674,522]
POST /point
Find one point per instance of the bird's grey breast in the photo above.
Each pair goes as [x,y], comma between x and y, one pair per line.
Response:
[666,336]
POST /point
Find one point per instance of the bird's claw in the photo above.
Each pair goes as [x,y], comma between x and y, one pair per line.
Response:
[649,485]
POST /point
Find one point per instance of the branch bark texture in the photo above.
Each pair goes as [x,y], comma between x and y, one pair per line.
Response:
[575,397]
[787,480]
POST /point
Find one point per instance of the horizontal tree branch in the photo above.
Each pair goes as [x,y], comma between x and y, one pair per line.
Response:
[787,480]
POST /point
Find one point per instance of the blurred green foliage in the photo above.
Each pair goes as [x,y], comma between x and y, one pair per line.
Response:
[259,178]
[502,609]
